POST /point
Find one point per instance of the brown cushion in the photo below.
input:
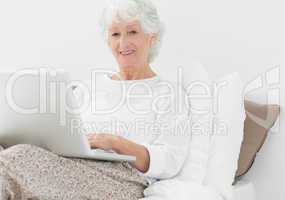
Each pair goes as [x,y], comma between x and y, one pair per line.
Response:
[259,119]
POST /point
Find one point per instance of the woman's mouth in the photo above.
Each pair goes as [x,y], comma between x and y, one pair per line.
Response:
[127,53]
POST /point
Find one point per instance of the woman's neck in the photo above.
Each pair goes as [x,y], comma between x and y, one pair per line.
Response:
[134,74]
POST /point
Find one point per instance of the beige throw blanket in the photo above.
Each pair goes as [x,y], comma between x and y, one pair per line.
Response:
[29,172]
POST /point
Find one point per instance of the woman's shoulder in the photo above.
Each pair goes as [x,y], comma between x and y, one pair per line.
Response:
[167,85]
[170,93]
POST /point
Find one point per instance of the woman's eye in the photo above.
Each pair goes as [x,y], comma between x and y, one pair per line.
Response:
[133,32]
[115,34]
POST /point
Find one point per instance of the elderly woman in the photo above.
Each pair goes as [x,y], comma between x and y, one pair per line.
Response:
[133,32]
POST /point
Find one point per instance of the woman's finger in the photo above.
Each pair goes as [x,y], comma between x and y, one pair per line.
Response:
[91,135]
[93,143]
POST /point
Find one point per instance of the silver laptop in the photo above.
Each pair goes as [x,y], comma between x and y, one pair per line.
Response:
[31,112]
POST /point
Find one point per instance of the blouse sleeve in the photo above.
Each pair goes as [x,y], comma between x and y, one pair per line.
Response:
[169,150]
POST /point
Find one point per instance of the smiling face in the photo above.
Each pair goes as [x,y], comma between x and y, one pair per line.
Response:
[130,44]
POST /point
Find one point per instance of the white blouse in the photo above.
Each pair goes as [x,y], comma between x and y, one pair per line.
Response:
[151,112]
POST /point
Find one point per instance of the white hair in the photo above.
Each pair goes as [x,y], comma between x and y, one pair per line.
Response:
[142,10]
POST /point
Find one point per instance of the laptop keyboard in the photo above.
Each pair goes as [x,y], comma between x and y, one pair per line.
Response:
[103,151]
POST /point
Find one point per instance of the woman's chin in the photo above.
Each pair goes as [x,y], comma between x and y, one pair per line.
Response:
[127,64]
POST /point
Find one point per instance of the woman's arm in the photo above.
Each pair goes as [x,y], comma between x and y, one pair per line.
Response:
[122,146]
[164,157]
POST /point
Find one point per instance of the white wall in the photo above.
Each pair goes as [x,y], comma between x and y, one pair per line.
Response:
[225,35]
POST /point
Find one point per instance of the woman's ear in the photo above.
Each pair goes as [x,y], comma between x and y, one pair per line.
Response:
[153,39]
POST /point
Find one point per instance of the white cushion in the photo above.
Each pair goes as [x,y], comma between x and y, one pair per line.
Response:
[229,114]
[244,190]
[181,190]
[212,159]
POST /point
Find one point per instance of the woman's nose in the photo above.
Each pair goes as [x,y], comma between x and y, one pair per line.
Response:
[124,42]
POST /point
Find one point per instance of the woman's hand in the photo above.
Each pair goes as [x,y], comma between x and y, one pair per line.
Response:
[122,146]
[102,141]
